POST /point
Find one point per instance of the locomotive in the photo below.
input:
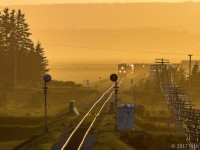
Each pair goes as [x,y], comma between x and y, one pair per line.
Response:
[123,69]
[136,69]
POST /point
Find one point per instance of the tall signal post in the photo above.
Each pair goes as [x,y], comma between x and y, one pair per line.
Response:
[190,63]
[99,81]
[132,75]
[46,78]
[114,78]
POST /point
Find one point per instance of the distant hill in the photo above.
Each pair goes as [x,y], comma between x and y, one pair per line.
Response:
[180,16]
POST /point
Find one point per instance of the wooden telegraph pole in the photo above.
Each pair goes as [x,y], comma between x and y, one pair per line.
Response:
[189,80]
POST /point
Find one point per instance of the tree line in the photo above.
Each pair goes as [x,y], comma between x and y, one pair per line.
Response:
[176,74]
[182,78]
[195,79]
[20,58]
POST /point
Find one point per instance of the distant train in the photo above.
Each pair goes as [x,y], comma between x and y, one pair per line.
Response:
[135,69]
[123,69]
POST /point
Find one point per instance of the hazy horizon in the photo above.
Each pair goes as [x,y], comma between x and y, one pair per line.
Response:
[136,32]
[38,2]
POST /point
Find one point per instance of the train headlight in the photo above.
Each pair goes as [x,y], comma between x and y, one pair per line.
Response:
[122,68]
[120,71]
[124,71]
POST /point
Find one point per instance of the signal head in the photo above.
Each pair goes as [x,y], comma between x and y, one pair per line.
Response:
[113,77]
[47,78]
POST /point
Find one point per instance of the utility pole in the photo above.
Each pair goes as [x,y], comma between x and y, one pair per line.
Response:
[132,73]
[15,78]
[134,108]
[131,89]
[134,96]
[190,63]
[46,78]
[99,81]
[163,63]
[88,84]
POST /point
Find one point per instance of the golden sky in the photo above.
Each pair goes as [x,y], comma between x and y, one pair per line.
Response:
[95,33]
[19,2]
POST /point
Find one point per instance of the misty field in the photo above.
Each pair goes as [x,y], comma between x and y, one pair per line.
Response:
[23,111]
[82,71]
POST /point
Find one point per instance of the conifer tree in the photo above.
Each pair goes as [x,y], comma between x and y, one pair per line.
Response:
[41,60]
[4,44]
[38,64]
[19,58]
[195,73]
[195,79]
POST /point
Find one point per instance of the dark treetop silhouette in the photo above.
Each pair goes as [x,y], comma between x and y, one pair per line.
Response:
[20,58]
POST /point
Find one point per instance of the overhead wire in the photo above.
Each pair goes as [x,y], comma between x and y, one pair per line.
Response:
[113,49]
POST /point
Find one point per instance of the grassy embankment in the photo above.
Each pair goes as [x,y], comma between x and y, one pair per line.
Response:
[22,113]
[154,128]
[152,118]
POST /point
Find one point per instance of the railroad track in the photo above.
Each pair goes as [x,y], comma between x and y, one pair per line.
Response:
[78,135]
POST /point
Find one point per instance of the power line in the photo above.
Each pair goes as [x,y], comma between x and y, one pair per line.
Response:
[111,49]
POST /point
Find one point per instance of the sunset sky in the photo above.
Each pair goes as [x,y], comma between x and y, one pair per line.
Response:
[136,33]
[19,2]
[149,30]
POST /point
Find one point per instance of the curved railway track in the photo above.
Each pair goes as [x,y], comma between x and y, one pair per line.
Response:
[78,135]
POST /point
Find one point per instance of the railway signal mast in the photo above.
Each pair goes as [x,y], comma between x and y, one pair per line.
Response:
[114,78]
[46,78]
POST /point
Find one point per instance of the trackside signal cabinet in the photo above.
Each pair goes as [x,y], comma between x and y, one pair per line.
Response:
[125,117]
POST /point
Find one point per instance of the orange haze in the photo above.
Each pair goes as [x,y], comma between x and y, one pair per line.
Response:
[138,32]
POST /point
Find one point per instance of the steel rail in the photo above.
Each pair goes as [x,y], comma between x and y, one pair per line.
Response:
[88,130]
[63,147]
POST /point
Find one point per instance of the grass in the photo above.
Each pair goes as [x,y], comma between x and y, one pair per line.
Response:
[144,141]
[16,133]
[8,145]
[106,136]
[45,142]
[31,117]
[30,102]
[57,128]
[155,125]
[22,116]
